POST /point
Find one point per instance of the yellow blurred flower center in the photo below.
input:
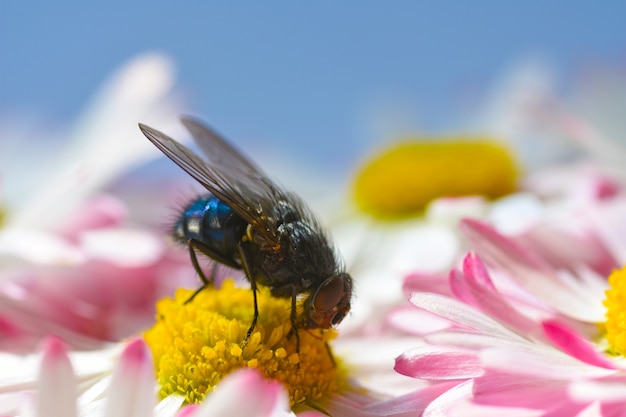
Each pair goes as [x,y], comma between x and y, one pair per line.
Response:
[403,179]
[3,216]
[196,344]
[615,303]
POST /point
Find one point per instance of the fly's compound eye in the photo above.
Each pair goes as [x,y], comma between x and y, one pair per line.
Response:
[329,295]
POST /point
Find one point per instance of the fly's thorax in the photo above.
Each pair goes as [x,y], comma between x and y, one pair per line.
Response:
[300,260]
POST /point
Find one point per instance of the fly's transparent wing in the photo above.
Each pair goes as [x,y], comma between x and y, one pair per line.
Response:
[217,150]
[232,178]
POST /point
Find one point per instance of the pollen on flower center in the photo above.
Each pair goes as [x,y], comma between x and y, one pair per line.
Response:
[615,303]
[403,179]
[196,344]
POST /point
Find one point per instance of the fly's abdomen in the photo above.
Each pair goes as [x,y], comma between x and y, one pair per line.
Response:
[213,223]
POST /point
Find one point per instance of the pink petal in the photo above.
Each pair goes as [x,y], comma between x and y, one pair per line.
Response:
[474,267]
[132,388]
[510,390]
[438,363]
[474,287]
[57,383]
[100,211]
[572,343]
[435,283]
[188,411]
[244,393]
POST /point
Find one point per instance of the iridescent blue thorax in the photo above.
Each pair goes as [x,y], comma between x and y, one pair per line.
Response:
[210,221]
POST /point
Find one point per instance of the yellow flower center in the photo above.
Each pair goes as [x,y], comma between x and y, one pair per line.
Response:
[403,179]
[196,344]
[615,303]
[3,216]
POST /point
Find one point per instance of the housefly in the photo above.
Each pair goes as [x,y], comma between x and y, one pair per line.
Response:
[247,222]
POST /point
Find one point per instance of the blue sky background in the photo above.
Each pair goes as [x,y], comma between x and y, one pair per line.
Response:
[309,75]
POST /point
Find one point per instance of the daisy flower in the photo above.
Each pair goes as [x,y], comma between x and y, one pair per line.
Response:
[537,330]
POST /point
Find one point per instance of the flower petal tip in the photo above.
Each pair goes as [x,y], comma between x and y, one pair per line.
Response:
[53,349]
[136,353]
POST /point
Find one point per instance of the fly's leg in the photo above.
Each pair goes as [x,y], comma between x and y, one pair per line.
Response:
[196,245]
[246,267]
[294,326]
[196,265]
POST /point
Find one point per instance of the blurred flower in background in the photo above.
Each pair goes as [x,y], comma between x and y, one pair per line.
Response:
[75,260]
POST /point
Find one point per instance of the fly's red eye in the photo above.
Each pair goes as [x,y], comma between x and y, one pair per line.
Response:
[329,296]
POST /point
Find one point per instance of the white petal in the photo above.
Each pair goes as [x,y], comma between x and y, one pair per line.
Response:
[123,247]
[37,247]
[106,141]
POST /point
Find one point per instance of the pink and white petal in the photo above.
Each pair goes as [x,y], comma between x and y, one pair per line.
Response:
[470,340]
[349,405]
[132,390]
[514,390]
[486,298]
[530,271]
[20,246]
[261,397]
[442,405]
[57,384]
[611,390]
[419,282]
[608,220]
[188,410]
[416,321]
[97,212]
[371,367]
[410,404]
[584,247]
[125,248]
[462,314]
[573,344]
[439,363]
[541,362]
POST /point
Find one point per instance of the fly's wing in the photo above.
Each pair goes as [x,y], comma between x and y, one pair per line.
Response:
[232,178]
[217,150]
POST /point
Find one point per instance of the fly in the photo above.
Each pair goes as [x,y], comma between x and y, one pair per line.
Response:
[248,222]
